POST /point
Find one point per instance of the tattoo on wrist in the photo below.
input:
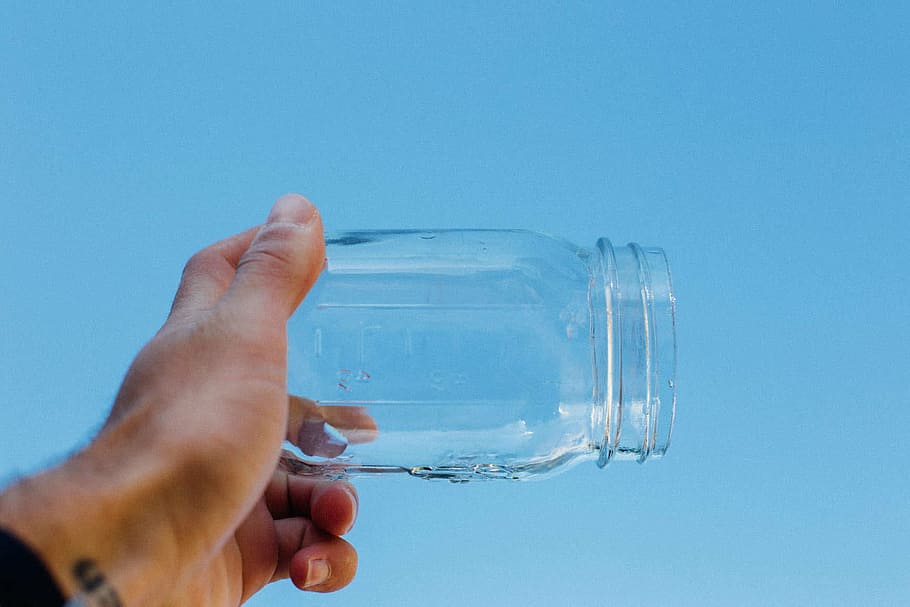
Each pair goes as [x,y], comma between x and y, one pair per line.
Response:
[94,589]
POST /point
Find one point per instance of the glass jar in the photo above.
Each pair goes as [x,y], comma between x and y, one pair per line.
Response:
[476,354]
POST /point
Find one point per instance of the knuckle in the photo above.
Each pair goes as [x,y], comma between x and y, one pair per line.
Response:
[275,250]
[202,262]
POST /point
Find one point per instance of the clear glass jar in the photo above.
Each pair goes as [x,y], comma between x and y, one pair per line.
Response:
[474,354]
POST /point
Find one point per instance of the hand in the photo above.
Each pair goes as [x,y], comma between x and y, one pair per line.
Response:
[178,500]
[327,431]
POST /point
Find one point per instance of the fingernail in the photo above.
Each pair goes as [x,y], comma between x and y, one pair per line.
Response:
[355,502]
[292,208]
[317,573]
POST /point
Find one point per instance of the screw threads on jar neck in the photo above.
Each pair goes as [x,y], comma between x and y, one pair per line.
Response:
[633,333]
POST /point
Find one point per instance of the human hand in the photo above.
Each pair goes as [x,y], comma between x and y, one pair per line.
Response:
[178,500]
[327,431]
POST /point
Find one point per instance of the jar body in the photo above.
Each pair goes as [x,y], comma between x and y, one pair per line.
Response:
[455,354]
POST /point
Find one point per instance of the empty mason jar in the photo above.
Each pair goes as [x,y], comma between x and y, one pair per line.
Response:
[474,354]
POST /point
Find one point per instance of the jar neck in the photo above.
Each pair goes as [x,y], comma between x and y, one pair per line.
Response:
[633,335]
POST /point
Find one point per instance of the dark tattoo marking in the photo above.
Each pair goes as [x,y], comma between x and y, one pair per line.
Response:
[94,585]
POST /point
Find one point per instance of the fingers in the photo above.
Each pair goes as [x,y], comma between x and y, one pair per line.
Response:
[282,262]
[266,270]
[327,431]
[258,549]
[310,515]
[209,273]
[324,566]
[331,505]
[307,429]
[354,423]
[313,559]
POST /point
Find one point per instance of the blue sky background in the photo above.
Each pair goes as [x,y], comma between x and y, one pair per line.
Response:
[767,149]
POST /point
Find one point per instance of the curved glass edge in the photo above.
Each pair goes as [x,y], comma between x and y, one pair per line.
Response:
[634,339]
[660,303]
[605,321]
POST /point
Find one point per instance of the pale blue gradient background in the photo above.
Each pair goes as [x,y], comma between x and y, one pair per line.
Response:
[767,149]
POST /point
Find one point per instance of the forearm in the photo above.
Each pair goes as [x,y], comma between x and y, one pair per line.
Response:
[90,522]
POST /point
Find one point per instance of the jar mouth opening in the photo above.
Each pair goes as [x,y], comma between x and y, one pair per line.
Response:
[637,352]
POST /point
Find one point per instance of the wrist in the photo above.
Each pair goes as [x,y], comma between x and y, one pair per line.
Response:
[91,524]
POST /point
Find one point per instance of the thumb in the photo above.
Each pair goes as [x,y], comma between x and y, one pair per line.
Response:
[282,262]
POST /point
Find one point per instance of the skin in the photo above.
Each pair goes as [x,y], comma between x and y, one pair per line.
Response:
[179,499]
